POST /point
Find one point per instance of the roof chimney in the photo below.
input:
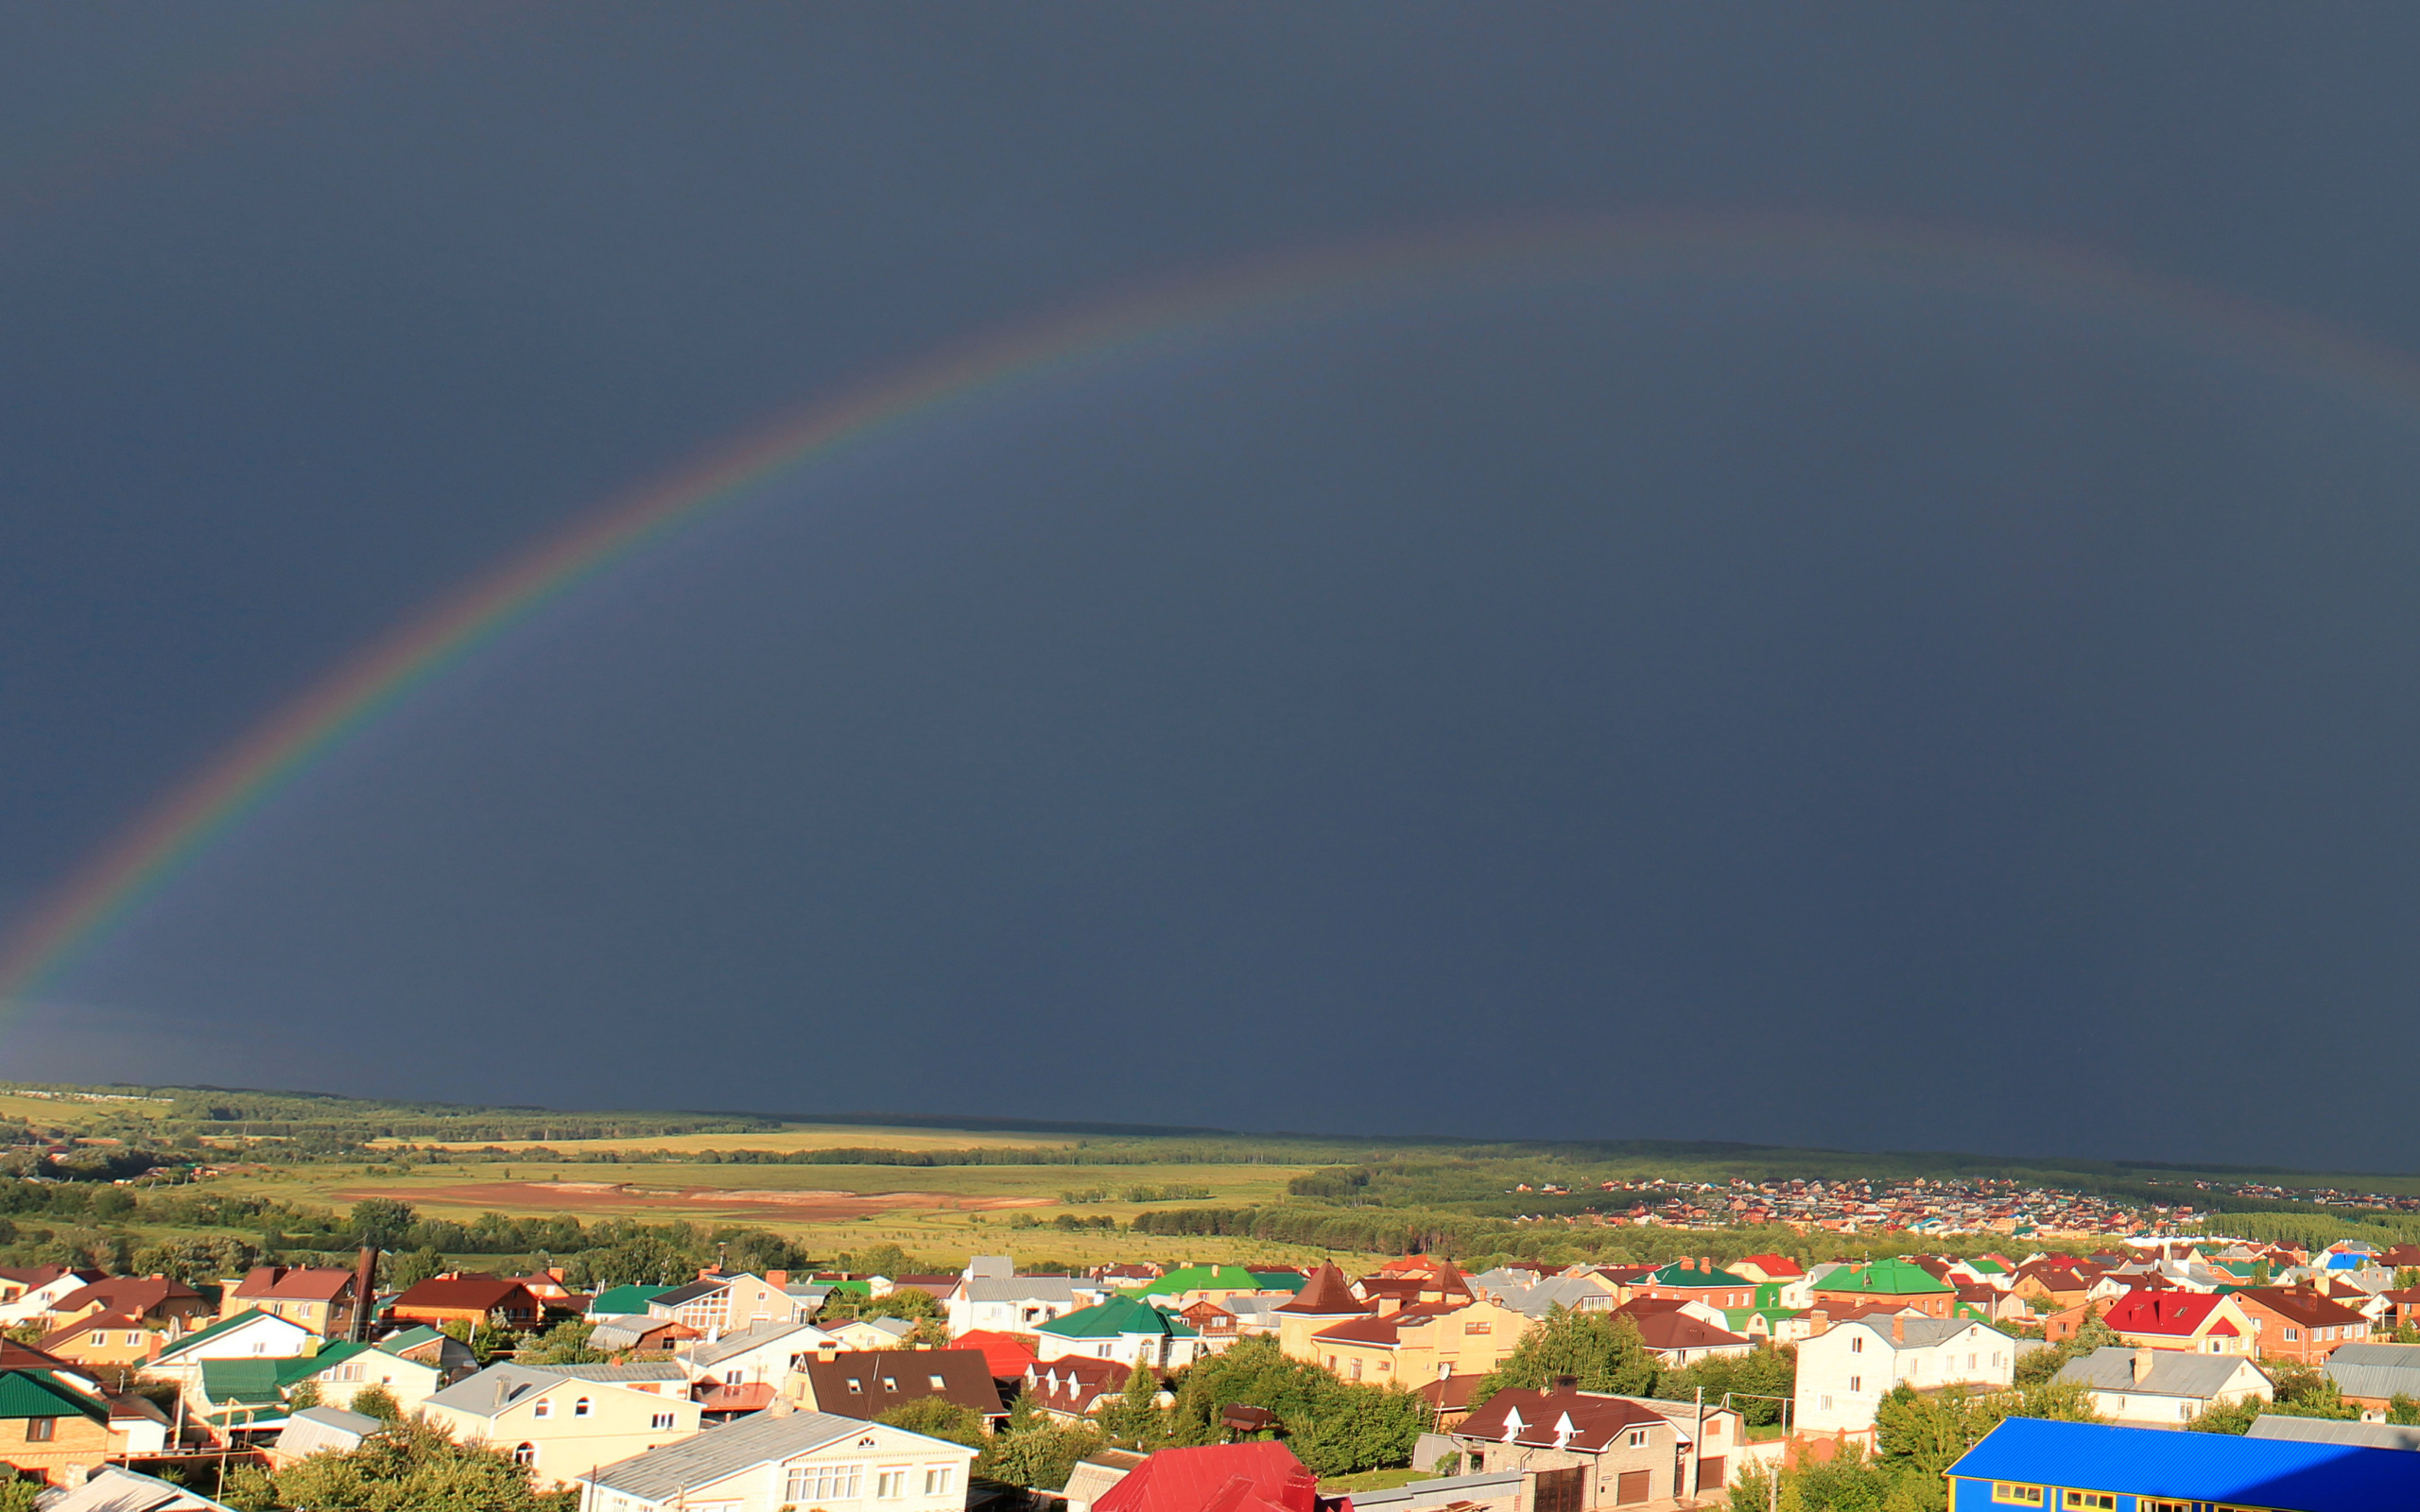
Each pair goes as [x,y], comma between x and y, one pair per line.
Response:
[778,1277]
[2142,1362]
[1898,1328]
[1705,1263]
[1562,1383]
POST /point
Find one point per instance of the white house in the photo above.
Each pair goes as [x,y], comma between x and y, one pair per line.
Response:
[763,1353]
[561,1425]
[245,1336]
[1844,1372]
[2164,1388]
[988,1295]
[32,1293]
[766,1461]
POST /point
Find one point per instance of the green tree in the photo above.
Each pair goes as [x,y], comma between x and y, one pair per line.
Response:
[566,1343]
[2402,1409]
[410,1268]
[2302,1392]
[410,1467]
[377,1401]
[1135,1420]
[1604,1352]
[1758,1379]
[381,1222]
[1361,1427]
[1041,1455]
[937,1416]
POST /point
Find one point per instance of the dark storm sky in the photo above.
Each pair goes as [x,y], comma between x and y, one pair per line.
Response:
[1857,711]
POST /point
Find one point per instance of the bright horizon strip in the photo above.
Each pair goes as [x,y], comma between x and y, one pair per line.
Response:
[144,857]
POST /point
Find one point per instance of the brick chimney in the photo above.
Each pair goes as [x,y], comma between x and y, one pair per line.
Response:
[1705,1263]
[777,1277]
[1898,1328]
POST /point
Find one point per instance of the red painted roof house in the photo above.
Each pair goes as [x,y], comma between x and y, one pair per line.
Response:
[1261,1476]
[2204,1322]
[1007,1354]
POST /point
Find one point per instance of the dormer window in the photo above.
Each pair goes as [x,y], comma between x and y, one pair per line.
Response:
[855,1384]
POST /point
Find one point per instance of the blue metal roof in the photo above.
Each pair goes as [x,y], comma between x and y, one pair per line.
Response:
[2188,1466]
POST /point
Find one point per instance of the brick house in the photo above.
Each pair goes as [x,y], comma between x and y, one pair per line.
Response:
[2294,1323]
[51,1429]
[1412,1345]
[472,1298]
[2204,1322]
[155,1300]
[320,1297]
[1585,1449]
[1894,1281]
[1698,1281]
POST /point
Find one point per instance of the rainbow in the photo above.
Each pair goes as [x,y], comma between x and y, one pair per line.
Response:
[149,854]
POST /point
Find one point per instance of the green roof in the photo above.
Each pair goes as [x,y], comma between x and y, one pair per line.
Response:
[1987,1267]
[1281,1281]
[411,1339]
[1739,1315]
[860,1288]
[252,1382]
[304,1367]
[1204,1279]
[1118,1315]
[1888,1278]
[225,1325]
[626,1299]
[42,1394]
[1677,1275]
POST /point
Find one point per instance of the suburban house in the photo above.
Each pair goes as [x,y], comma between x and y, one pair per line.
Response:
[322,1298]
[2062,1283]
[1072,1389]
[638,1333]
[245,1336]
[469,1297]
[1325,1300]
[869,1384]
[623,1301]
[2333,1431]
[51,1428]
[1584,1450]
[153,1300]
[760,1354]
[1123,1330]
[27,1293]
[1214,1322]
[869,1333]
[340,1370]
[1260,1476]
[426,1345]
[1007,1354]
[2041,1464]
[559,1425]
[2372,1375]
[1415,1345]
[2296,1323]
[1896,1283]
[716,1304]
[1767,1268]
[991,1296]
[1534,1298]
[1676,1338]
[2163,1388]
[319,1431]
[1844,1372]
[105,1341]
[2204,1322]
[770,1461]
[1187,1285]
[1700,1281]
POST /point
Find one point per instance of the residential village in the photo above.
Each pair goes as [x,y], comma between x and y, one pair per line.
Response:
[743,1392]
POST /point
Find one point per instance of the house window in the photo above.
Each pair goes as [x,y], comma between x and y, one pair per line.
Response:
[525,1453]
[822,1483]
[1479,1328]
[732,1378]
[100,1338]
[579,1408]
[544,1409]
[936,1382]
[1824,1403]
[890,1383]
[2090,1501]
[2293,1333]
[937,1479]
[1357,1370]
[38,1429]
[1856,1343]
[855,1384]
[2020,1495]
[1857,1382]
[1638,1439]
[890,1484]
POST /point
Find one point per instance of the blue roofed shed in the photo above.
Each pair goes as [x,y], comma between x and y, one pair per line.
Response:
[2030,1462]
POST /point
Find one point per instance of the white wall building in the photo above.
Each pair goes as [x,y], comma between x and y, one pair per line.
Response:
[1844,1372]
[768,1461]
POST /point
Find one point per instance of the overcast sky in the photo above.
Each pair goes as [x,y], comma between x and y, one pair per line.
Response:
[1933,704]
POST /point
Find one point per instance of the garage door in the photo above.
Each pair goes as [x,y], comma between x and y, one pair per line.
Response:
[1632,1488]
[1710,1473]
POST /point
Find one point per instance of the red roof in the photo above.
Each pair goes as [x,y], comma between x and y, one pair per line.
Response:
[1775,1266]
[295,1284]
[1388,1329]
[1261,1476]
[1678,1331]
[1581,1421]
[462,1293]
[2307,1308]
[127,1293]
[753,1396]
[2181,1314]
[1005,1353]
[1075,1384]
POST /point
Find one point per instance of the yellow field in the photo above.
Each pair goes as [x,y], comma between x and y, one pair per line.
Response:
[67,1113]
[941,1213]
[789,1137]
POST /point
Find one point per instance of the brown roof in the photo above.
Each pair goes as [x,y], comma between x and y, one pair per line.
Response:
[1073,1384]
[1595,1420]
[1451,1393]
[1326,1295]
[2307,1308]
[127,1294]
[884,1379]
[31,1276]
[1678,1331]
[1387,1330]
[295,1284]
[454,1293]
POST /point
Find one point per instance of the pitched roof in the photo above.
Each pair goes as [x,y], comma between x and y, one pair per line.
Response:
[1005,1353]
[484,1294]
[496,1389]
[2169,1464]
[1200,1278]
[2173,1372]
[1327,1293]
[663,1473]
[2375,1370]
[314,1428]
[2307,1308]
[1260,1476]
[1681,1273]
[635,1373]
[115,1488]
[295,1284]
[1886,1278]
[226,1325]
[756,1335]
[1385,1330]
[1025,1289]
[624,1299]
[1118,1316]
[1776,1267]
[867,1383]
[2179,1315]
[2335,1431]
[1584,1421]
[43,1394]
[1073,1383]
[127,1293]
[1679,1331]
[1918,1333]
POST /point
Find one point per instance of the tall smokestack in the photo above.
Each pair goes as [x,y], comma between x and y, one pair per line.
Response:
[365,1292]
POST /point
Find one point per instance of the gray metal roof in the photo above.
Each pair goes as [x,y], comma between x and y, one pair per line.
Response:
[2377,1371]
[623,1375]
[1025,1289]
[314,1428]
[2334,1431]
[115,1488]
[496,1388]
[620,1330]
[2173,1372]
[1445,1491]
[744,1340]
[1551,1293]
[1920,1333]
[661,1474]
